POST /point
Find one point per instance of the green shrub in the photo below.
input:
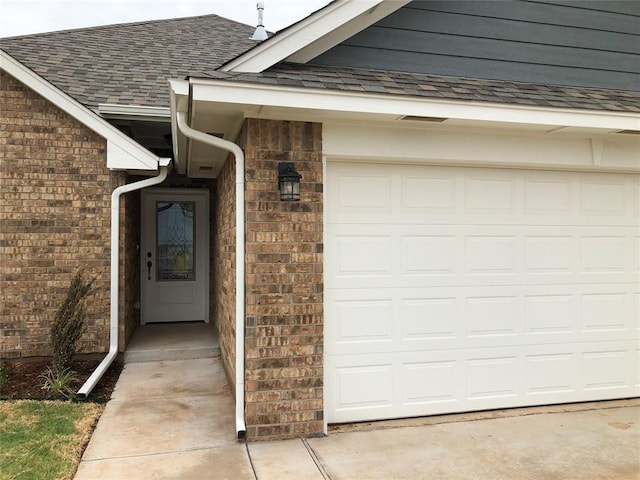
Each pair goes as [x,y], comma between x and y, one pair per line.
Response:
[59,381]
[68,324]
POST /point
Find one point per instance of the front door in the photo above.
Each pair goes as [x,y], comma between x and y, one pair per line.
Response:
[175,255]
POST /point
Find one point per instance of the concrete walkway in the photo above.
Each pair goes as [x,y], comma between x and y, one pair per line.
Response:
[175,420]
[167,419]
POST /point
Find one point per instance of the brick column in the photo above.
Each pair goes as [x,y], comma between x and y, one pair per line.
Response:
[284,283]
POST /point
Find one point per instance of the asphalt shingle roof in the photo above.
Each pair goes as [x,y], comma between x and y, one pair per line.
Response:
[130,64]
[436,87]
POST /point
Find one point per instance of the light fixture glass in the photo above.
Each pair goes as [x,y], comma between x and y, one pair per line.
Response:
[288,182]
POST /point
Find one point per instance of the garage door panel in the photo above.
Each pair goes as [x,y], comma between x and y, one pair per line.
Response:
[607,369]
[606,312]
[368,386]
[429,194]
[368,192]
[552,372]
[551,315]
[491,194]
[429,383]
[474,288]
[603,195]
[431,319]
[446,255]
[487,196]
[548,195]
[364,255]
[386,319]
[364,321]
[429,255]
[491,254]
[493,317]
[551,254]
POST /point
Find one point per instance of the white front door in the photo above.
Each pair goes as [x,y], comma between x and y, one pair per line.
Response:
[175,255]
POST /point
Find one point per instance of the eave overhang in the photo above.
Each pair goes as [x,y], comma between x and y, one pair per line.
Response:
[220,107]
[278,102]
[123,153]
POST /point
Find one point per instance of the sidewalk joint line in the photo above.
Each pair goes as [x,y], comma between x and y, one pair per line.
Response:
[315,459]
[253,468]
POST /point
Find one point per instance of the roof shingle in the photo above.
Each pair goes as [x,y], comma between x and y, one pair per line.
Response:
[130,63]
[436,87]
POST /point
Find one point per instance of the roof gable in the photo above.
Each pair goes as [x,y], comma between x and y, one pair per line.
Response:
[315,34]
[122,152]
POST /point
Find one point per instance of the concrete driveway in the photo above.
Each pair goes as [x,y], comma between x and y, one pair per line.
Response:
[603,443]
[174,420]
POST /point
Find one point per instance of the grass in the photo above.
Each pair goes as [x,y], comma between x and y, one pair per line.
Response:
[44,439]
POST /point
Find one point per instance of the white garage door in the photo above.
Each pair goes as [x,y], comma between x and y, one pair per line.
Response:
[454,289]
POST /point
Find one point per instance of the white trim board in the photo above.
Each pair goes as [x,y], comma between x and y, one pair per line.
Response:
[315,34]
[383,144]
[123,153]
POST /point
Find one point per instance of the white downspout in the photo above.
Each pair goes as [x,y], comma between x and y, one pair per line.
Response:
[239,155]
[86,389]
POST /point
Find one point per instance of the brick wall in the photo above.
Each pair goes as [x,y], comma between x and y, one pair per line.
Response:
[284,283]
[55,217]
[224,266]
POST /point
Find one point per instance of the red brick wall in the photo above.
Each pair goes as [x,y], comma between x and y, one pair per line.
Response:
[284,283]
[55,217]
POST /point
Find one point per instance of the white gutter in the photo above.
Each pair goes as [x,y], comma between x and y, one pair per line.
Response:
[109,110]
[88,386]
[231,147]
[278,102]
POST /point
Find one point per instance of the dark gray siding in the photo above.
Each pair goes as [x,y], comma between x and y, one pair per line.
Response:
[580,43]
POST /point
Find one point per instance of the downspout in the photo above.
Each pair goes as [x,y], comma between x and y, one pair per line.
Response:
[93,379]
[237,152]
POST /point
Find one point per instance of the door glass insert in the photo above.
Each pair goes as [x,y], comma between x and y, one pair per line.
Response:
[175,249]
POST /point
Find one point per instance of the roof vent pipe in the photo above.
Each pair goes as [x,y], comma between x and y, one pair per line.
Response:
[260,35]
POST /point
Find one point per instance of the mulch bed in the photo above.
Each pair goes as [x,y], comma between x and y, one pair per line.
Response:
[25,382]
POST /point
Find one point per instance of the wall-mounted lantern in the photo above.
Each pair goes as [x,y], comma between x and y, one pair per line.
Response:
[288,182]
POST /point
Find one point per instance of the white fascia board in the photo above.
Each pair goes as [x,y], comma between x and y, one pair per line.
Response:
[345,31]
[123,153]
[309,31]
[248,94]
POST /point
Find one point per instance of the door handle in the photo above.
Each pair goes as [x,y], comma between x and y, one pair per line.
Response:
[149,266]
